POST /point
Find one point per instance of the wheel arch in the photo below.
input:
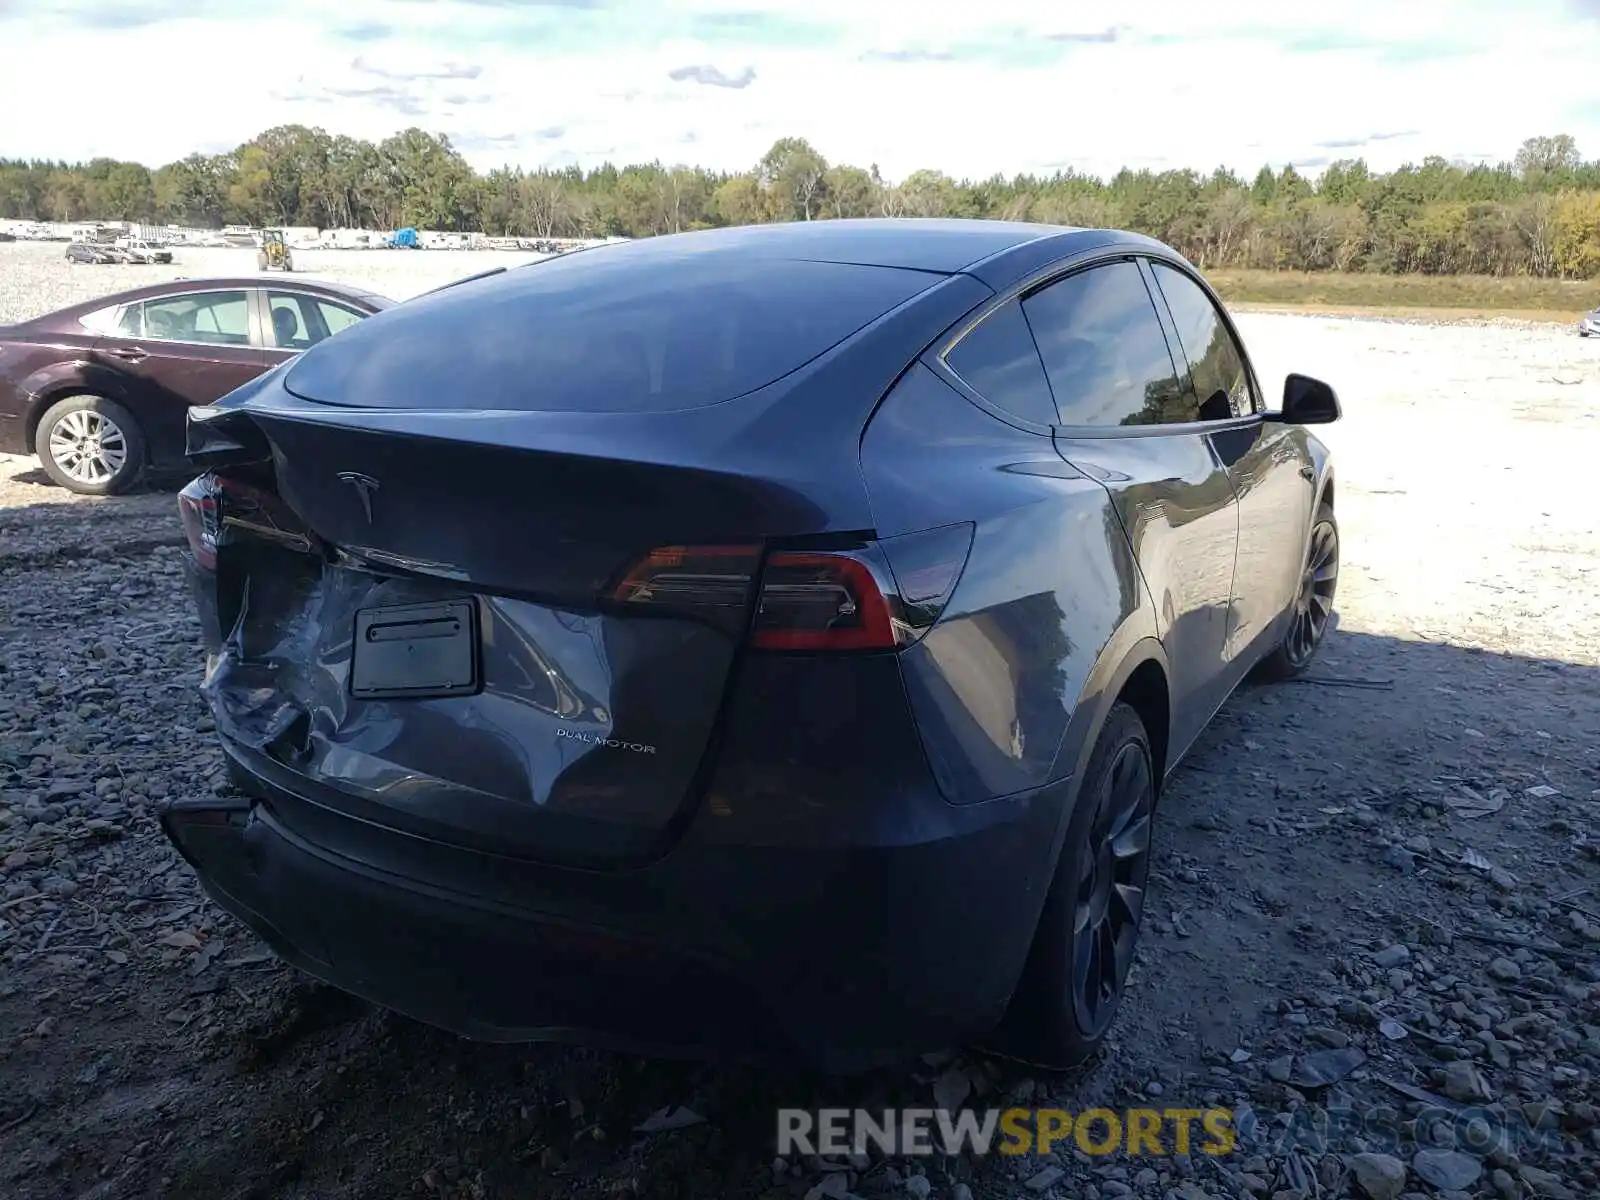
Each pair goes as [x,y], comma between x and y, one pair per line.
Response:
[1140,678]
[1147,691]
[82,379]
[1134,671]
[43,402]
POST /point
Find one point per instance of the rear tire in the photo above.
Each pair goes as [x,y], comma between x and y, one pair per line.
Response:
[1071,986]
[1311,613]
[90,445]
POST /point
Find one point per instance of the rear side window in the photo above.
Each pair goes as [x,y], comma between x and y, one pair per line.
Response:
[627,328]
[1216,368]
[999,361]
[1104,352]
[210,318]
[103,320]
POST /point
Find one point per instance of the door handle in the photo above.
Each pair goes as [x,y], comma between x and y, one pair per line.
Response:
[128,353]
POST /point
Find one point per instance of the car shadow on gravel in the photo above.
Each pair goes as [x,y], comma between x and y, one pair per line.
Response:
[1313,823]
[164,482]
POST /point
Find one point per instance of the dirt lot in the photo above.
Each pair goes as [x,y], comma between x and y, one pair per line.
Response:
[35,278]
[1379,892]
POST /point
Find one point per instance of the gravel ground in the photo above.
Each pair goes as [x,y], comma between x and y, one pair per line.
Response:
[1378,893]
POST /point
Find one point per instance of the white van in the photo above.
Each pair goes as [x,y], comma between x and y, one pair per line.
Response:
[140,251]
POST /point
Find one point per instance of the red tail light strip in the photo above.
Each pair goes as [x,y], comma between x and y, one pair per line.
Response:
[821,601]
[810,600]
[692,576]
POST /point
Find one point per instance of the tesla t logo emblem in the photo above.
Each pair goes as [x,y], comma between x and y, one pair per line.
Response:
[364,485]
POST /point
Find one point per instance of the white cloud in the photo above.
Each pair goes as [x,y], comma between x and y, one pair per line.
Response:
[972,89]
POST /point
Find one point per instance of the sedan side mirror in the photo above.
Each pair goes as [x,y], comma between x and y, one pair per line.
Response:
[1308,401]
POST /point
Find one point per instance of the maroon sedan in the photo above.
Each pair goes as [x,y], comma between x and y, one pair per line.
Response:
[99,390]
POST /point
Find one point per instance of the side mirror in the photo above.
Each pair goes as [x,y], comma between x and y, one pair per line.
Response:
[1308,401]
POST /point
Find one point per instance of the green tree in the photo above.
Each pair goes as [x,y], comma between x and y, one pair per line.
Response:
[792,175]
[1541,157]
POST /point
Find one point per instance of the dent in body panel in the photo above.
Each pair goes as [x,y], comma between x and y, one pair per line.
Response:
[583,740]
[1181,516]
[1049,582]
[48,374]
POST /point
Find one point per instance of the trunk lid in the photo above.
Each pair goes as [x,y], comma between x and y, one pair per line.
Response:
[575,728]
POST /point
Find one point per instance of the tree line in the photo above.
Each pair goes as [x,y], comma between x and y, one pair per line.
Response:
[1537,215]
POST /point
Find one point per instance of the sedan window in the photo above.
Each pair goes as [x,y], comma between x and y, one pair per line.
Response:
[337,316]
[300,321]
[209,318]
[1104,351]
[1216,368]
[104,320]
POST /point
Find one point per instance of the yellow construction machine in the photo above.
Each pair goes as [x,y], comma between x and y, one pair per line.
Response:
[273,253]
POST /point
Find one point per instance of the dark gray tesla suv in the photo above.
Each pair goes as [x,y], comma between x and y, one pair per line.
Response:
[769,640]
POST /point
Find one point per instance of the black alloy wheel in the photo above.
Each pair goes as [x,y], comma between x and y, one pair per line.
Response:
[1111,888]
[1311,613]
[1083,947]
[1314,604]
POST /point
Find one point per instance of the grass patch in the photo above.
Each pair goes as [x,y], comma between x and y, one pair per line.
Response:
[1445,295]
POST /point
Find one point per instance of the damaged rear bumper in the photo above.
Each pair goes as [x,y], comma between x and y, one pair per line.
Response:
[838,956]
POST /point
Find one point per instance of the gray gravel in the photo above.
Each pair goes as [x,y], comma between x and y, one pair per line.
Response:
[1378,891]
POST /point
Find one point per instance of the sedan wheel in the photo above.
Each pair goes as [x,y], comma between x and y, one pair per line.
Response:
[1078,966]
[90,445]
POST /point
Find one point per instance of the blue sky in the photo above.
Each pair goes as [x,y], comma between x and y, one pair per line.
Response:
[971,89]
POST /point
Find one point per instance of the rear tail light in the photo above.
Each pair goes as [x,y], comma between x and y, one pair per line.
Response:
[866,596]
[198,509]
[217,509]
[824,600]
[691,577]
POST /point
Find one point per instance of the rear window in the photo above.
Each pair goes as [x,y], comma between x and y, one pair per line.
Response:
[630,328]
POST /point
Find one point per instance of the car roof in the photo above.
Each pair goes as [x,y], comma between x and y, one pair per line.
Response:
[943,246]
[771,298]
